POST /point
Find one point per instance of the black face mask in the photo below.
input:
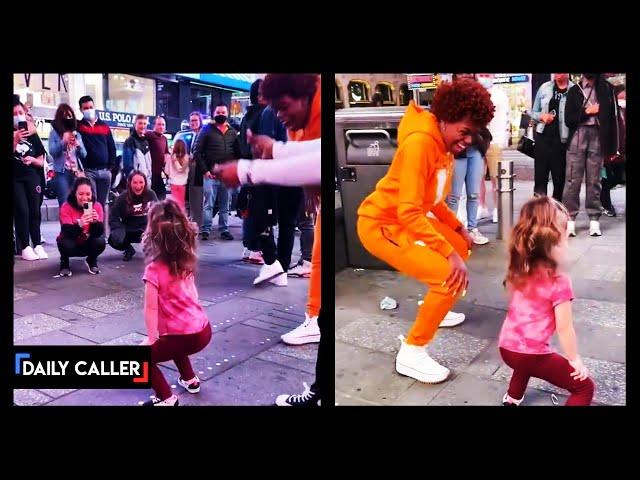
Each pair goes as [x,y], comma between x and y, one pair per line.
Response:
[220,119]
[69,124]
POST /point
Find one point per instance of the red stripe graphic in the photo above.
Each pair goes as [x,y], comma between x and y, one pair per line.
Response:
[145,374]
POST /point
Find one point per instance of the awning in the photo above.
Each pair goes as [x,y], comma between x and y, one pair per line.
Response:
[236,81]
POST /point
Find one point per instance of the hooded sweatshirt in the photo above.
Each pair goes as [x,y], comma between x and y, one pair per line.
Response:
[415,185]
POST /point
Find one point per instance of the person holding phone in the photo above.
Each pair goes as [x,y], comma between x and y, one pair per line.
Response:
[81,228]
[28,156]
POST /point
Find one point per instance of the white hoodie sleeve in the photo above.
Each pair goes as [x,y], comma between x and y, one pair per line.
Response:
[293,164]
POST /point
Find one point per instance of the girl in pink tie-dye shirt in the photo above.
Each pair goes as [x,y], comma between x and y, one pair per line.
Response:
[540,304]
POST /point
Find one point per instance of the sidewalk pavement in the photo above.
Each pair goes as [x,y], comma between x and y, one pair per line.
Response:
[246,363]
[366,337]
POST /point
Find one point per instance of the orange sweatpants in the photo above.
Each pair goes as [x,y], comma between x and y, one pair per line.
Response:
[395,246]
[314,297]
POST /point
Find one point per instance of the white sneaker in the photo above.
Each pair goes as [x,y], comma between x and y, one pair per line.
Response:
[308,332]
[280,281]
[39,251]
[414,361]
[245,254]
[495,216]
[452,319]
[483,212]
[29,254]
[477,237]
[267,272]
[256,258]
[42,239]
[571,228]
[302,270]
[594,228]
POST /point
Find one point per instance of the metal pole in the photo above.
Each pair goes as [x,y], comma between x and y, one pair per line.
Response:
[416,96]
[505,198]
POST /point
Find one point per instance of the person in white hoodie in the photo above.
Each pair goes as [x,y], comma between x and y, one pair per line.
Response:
[498,128]
[135,150]
[288,164]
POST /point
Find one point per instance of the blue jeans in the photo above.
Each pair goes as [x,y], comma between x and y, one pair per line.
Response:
[62,183]
[101,180]
[212,188]
[469,170]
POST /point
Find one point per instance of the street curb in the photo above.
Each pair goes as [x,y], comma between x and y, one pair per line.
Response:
[49,212]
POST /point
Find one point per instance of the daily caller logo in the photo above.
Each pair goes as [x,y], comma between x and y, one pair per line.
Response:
[136,370]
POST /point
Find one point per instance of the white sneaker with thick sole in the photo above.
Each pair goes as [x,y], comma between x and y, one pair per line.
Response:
[452,319]
[308,332]
[39,251]
[494,218]
[594,228]
[483,212]
[302,270]
[571,228]
[245,254]
[414,361]
[267,272]
[256,258]
[280,280]
[478,238]
[29,254]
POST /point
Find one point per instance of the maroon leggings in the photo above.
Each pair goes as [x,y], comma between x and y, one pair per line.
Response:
[550,367]
[176,348]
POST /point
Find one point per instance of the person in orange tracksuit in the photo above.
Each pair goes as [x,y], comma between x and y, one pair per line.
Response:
[406,222]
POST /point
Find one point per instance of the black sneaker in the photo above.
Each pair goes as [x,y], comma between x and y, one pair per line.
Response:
[92,265]
[307,398]
[204,236]
[193,386]
[128,254]
[609,212]
[65,270]
[226,236]
[172,401]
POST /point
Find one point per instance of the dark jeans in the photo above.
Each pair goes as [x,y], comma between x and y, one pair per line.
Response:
[26,210]
[550,367]
[157,185]
[550,156]
[91,248]
[121,242]
[176,348]
[305,224]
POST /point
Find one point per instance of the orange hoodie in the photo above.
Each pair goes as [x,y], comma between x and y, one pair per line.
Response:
[416,183]
[311,131]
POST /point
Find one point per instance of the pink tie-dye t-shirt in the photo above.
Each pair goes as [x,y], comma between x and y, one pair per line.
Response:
[179,312]
[531,321]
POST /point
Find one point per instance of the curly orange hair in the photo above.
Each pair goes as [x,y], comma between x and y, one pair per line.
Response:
[464,98]
[541,227]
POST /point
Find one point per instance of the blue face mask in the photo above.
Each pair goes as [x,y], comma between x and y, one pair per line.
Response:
[89,114]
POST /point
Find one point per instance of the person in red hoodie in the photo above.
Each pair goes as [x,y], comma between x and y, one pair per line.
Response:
[82,228]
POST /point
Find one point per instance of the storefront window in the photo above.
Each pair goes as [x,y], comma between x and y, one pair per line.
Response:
[359,93]
[167,99]
[131,94]
[200,99]
[404,94]
[386,92]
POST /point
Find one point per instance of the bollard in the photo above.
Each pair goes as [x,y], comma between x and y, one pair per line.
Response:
[505,199]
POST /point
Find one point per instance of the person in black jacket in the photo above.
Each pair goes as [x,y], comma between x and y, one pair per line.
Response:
[217,143]
[590,116]
[128,215]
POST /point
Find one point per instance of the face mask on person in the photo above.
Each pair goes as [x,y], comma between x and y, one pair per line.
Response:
[89,114]
[17,119]
[486,82]
[220,119]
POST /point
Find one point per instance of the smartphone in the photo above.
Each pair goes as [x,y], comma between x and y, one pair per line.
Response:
[22,125]
[87,207]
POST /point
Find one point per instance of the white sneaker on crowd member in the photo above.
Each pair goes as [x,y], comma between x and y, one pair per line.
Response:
[571,228]
[256,258]
[29,254]
[300,270]
[268,272]
[308,332]
[245,254]
[478,238]
[39,251]
[483,212]
[495,216]
[594,228]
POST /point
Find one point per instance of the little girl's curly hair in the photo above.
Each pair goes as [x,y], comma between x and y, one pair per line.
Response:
[171,238]
[541,227]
